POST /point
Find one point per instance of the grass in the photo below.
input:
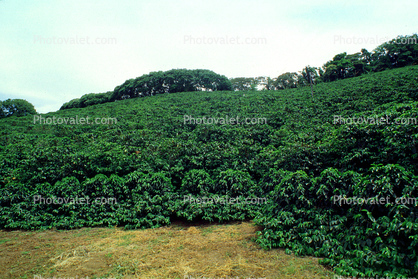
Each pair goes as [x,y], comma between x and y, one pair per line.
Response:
[175,251]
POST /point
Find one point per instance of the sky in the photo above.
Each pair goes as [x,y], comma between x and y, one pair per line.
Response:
[54,51]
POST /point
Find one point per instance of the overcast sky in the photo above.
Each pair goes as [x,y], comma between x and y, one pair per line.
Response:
[54,51]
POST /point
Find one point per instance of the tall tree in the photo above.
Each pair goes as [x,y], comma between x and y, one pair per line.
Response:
[286,80]
[243,84]
[16,107]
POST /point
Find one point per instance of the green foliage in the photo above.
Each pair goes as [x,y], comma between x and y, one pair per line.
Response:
[16,107]
[159,168]
[88,100]
[197,182]
[172,81]
[176,80]
[244,84]
[358,239]
[286,80]
[399,52]
[232,182]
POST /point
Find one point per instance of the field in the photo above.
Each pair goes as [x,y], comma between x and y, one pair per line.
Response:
[148,165]
[168,252]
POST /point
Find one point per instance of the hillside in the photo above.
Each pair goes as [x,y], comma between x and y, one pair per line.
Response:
[151,159]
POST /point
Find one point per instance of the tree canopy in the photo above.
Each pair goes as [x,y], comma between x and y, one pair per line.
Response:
[172,81]
[399,52]
[16,107]
[88,100]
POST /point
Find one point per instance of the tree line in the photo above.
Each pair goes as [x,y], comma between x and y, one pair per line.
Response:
[399,52]
[17,107]
[172,81]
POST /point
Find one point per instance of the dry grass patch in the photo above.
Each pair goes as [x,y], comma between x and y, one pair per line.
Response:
[170,252]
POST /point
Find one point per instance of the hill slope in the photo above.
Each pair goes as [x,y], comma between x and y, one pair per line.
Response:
[153,162]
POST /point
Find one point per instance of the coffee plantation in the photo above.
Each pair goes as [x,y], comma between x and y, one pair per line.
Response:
[136,172]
